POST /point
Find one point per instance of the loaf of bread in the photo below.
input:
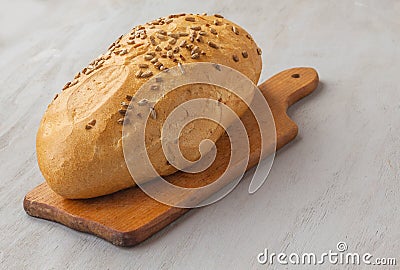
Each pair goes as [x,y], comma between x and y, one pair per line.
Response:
[79,142]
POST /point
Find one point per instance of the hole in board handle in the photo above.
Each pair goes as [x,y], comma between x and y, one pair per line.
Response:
[296,75]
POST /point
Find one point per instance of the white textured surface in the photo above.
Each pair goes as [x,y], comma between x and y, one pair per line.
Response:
[339,180]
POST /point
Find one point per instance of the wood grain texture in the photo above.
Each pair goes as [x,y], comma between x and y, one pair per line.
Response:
[128,217]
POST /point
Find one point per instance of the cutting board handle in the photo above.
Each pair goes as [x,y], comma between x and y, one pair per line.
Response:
[283,90]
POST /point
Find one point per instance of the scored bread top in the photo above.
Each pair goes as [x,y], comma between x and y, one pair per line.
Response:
[79,142]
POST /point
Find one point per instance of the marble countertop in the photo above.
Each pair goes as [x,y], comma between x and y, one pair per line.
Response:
[338,181]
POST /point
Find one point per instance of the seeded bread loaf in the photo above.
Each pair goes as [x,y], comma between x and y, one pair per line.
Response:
[79,142]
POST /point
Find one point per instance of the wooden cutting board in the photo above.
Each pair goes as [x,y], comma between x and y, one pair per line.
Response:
[128,217]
